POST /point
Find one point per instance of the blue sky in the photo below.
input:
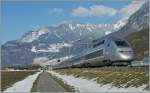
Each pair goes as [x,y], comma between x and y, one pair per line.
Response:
[19,17]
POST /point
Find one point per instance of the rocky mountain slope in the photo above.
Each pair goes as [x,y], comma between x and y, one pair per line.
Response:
[136,22]
[140,43]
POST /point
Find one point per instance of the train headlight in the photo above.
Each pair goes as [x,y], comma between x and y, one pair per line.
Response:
[124,56]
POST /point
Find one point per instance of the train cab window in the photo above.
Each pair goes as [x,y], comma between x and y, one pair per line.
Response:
[121,43]
[99,43]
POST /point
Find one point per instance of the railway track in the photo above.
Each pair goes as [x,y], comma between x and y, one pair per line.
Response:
[140,67]
[116,68]
[145,68]
[129,67]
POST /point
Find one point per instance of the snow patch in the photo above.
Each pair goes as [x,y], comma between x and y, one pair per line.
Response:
[108,32]
[57,46]
[52,47]
[40,60]
[24,85]
[84,85]
[33,49]
[71,27]
[58,36]
[122,22]
[35,35]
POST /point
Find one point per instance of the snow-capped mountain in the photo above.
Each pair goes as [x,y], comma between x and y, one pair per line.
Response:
[53,39]
[52,42]
[62,30]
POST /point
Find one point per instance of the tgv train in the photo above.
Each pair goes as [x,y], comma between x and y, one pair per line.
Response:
[103,52]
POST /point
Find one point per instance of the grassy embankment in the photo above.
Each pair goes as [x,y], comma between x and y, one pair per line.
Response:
[34,87]
[8,78]
[117,76]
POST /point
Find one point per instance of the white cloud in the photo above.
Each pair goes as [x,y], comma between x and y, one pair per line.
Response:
[95,10]
[132,7]
[99,10]
[80,11]
[55,11]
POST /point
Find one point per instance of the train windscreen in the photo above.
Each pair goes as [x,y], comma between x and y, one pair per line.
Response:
[121,43]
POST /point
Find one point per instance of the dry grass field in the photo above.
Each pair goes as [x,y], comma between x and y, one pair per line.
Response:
[117,76]
[10,77]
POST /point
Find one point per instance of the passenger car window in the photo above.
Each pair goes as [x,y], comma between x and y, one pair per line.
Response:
[94,54]
[98,43]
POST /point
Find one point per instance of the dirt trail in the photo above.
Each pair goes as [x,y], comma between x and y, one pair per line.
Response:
[46,84]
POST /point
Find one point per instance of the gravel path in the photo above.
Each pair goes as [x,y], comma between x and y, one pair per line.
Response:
[47,84]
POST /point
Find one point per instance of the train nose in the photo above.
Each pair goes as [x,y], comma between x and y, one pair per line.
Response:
[127,55]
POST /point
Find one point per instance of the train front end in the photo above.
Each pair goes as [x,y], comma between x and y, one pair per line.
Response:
[124,53]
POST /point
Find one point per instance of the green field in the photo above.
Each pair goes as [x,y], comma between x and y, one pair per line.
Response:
[117,76]
[8,78]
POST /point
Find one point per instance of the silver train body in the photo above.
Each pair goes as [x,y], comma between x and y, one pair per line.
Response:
[103,52]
